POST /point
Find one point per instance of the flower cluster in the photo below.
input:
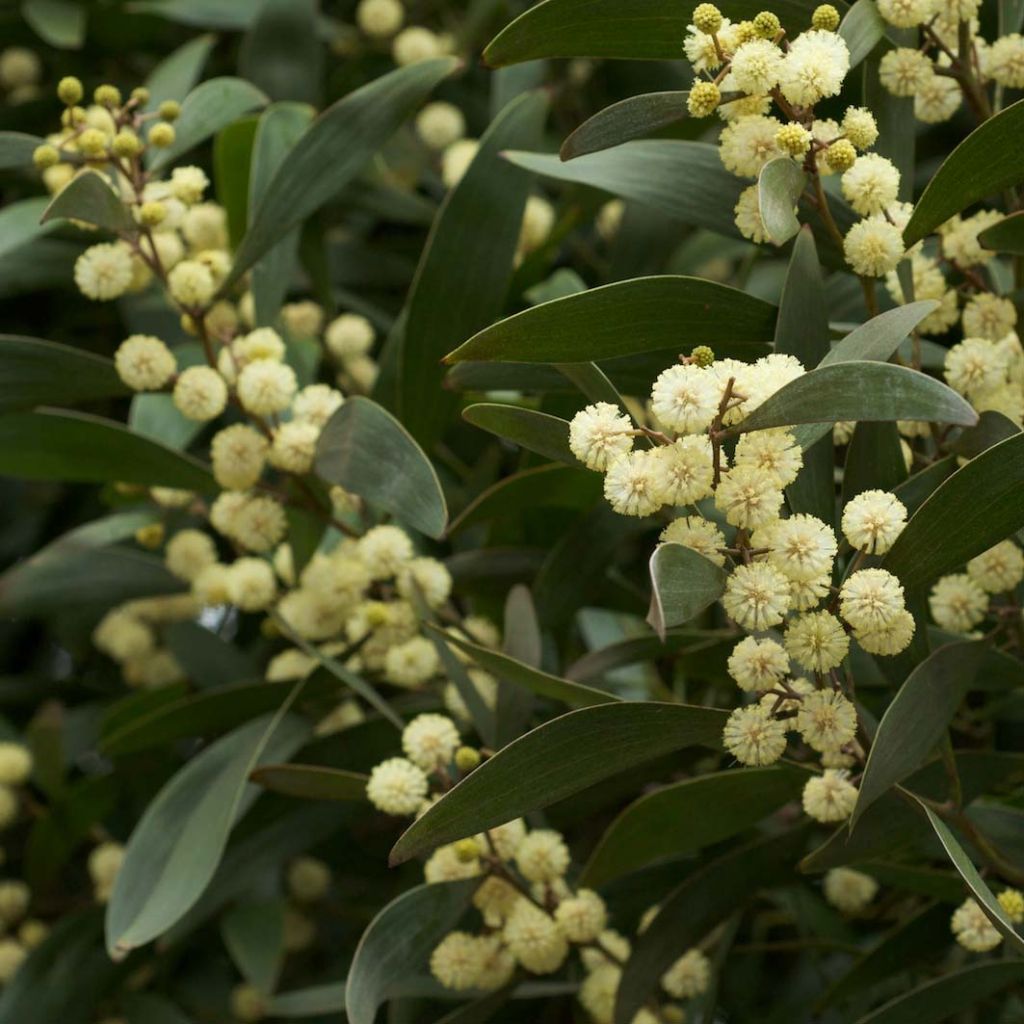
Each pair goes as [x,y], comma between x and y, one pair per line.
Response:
[750,65]
[960,602]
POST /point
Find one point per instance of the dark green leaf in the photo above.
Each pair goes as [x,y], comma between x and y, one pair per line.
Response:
[986,162]
[874,459]
[228,14]
[20,223]
[628,119]
[332,152]
[208,660]
[281,53]
[917,718]
[208,108]
[464,273]
[535,431]
[180,839]
[146,1008]
[34,371]
[683,584]
[991,428]
[254,936]
[978,506]
[309,1002]
[629,317]
[367,451]
[399,941]
[60,23]
[687,816]
[779,186]
[1005,236]
[861,29]
[232,168]
[16,149]
[311,782]
[67,446]
[88,197]
[175,76]
[556,760]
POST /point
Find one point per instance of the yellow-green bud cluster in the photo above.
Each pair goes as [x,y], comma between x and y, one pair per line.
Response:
[707,18]
[825,18]
[703,356]
[161,135]
[703,99]
[841,155]
[70,91]
[793,139]
[169,110]
[45,156]
[107,96]
[767,24]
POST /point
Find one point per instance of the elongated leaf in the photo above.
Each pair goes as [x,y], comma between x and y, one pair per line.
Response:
[399,941]
[367,451]
[16,149]
[281,53]
[688,816]
[331,153]
[861,29]
[311,782]
[978,886]
[861,391]
[60,23]
[535,431]
[944,997]
[178,843]
[156,416]
[917,718]
[253,934]
[209,107]
[779,186]
[881,336]
[226,14]
[626,318]
[541,487]
[20,223]
[978,506]
[53,445]
[1005,236]
[628,119]
[463,276]
[555,760]
[707,896]
[88,197]
[639,30]
[34,371]
[991,428]
[985,163]
[309,1002]
[533,679]
[174,77]
[683,584]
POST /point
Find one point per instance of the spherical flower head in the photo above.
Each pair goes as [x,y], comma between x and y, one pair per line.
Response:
[748,497]
[15,764]
[380,19]
[814,67]
[260,524]
[753,736]
[581,917]
[988,316]
[707,18]
[144,363]
[960,238]
[429,577]
[316,404]
[826,18]
[294,446]
[415,44]
[756,596]
[200,393]
[534,939]
[841,155]
[748,143]
[238,454]
[302,319]
[748,216]
[871,184]
[308,879]
[826,720]
[439,124]
[458,960]
[122,636]
[385,550]
[703,98]
[756,66]
[698,533]
[634,483]
[972,928]
[873,520]
[998,570]
[1012,902]
[538,220]
[829,797]
[767,24]
[774,451]
[189,552]
[890,638]
[262,343]
[904,71]
[12,956]
[817,641]
[860,127]
[957,603]
[45,156]
[1006,61]
[906,13]
[685,398]
[688,977]
[412,663]
[599,434]
[70,91]
[397,786]
[252,585]
[188,184]
[802,548]
[542,856]
[599,989]
[937,99]
[430,741]
[848,890]
[104,864]
[104,271]
[248,1004]
[873,247]
[456,159]
[757,665]
[975,366]
[266,387]
[684,470]
[191,283]
[349,335]
[793,139]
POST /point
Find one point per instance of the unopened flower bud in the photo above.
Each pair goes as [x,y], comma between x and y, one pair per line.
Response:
[841,155]
[169,110]
[107,95]
[466,759]
[703,100]
[161,135]
[140,94]
[767,24]
[707,18]
[702,356]
[793,139]
[45,156]
[467,850]
[150,536]
[69,90]
[127,143]
[93,143]
[825,18]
